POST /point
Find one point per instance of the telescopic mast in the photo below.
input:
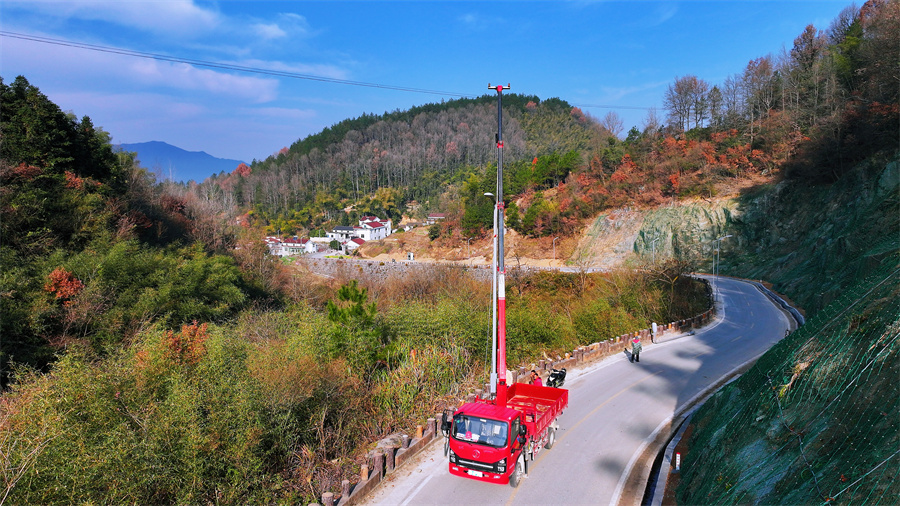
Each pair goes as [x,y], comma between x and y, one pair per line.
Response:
[498,357]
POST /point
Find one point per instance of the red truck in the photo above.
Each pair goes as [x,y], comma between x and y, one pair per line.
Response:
[494,441]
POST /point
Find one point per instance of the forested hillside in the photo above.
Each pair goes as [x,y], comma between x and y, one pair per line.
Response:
[381,163]
[808,114]
[153,353]
[91,247]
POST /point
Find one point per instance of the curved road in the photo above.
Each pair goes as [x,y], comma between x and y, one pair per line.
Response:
[615,409]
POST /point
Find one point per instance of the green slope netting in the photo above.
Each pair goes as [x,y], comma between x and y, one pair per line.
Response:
[817,419]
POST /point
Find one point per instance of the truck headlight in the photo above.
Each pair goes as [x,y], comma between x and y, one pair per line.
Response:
[501,466]
[452,457]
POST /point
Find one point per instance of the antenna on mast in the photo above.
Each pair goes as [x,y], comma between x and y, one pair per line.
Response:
[498,341]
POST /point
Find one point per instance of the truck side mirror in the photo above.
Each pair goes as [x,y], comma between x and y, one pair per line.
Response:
[522,430]
[445,424]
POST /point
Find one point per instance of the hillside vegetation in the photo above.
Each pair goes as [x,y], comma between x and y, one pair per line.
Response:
[153,352]
[816,420]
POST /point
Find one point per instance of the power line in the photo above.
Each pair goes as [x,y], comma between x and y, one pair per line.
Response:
[602,106]
[223,66]
[257,70]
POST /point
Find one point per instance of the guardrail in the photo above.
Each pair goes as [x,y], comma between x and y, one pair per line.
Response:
[781,302]
[394,451]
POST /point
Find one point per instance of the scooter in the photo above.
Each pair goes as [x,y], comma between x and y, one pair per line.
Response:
[557,378]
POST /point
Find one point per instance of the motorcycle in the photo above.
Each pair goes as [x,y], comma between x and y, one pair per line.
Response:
[557,378]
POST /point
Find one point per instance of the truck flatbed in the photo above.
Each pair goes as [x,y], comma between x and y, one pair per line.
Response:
[540,405]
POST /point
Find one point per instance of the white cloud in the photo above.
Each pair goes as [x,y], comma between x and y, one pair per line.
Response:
[84,69]
[295,24]
[321,70]
[269,31]
[188,77]
[177,17]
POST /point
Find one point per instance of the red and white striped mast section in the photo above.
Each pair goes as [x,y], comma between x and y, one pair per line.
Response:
[498,361]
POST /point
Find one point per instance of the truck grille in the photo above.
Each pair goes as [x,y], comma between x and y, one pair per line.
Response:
[480,466]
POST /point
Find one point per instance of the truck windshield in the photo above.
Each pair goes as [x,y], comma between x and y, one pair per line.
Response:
[480,430]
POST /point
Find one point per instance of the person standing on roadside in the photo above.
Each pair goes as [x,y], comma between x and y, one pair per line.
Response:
[636,349]
[536,378]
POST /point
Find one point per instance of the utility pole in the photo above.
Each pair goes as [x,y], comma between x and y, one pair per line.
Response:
[499,364]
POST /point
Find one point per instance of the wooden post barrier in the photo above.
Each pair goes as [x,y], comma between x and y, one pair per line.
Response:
[379,463]
[389,459]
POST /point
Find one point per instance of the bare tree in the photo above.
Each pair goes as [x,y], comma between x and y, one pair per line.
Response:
[613,122]
[685,100]
[585,263]
[715,107]
[652,124]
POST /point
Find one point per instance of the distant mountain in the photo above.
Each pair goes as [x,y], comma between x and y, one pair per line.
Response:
[171,162]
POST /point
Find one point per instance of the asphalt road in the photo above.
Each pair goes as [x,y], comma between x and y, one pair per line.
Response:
[615,409]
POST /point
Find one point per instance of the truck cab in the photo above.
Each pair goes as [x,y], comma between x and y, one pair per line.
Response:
[484,441]
[494,441]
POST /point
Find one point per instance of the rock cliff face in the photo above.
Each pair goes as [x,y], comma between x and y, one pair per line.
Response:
[685,230]
[809,241]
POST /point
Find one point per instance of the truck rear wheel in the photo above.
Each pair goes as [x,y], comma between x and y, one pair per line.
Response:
[551,438]
[518,473]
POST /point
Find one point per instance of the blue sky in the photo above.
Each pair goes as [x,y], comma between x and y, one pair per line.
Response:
[589,53]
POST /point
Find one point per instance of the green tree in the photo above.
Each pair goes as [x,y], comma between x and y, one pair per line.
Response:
[35,130]
[352,306]
[478,213]
[513,220]
[355,336]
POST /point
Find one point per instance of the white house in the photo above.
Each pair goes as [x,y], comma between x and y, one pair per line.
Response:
[434,218]
[373,230]
[352,244]
[289,247]
[370,228]
[342,233]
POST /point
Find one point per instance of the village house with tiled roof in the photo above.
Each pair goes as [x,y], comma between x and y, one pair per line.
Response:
[289,246]
[370,228]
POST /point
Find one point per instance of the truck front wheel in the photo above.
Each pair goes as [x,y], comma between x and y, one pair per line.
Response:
[518,473]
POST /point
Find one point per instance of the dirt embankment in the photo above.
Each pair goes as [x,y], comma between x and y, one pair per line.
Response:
[476,251]
[610,240]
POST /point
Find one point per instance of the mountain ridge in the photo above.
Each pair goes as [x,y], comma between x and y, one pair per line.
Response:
[177,164]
